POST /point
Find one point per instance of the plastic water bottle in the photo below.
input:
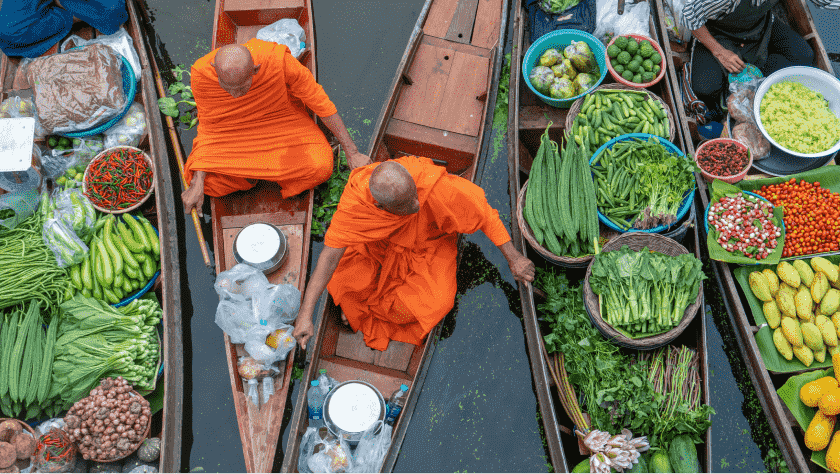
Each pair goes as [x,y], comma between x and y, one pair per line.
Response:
[315,399]
[325,382]
[395,404]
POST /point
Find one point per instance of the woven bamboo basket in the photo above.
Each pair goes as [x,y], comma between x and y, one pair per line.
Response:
[637,241]
[568,262]
[574,110]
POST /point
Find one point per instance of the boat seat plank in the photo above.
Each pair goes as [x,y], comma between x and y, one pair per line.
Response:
[351,345]
[419,103]
[461,28]
[486,30]
[240,5]
[264,198]
[533,117]
[276,218]
[412,132]
[343,370]
[454,151]
[461,111]
[439,18]
[246,33]
[289,273]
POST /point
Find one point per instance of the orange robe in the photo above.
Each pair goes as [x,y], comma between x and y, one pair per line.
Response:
[396,280]
[265,134]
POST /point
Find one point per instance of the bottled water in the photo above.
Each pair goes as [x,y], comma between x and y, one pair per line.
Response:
[315,399]
[325,382]
[395,404]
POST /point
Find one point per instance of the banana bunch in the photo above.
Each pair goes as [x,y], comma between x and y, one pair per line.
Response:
[801,303]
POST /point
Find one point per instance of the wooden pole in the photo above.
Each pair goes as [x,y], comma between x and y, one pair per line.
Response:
[176,145]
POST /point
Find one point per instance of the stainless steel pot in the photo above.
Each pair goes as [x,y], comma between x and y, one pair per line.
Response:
[263,246]
[351,408]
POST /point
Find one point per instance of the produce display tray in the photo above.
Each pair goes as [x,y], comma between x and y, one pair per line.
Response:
[789,394]
[781,164]
[773,361]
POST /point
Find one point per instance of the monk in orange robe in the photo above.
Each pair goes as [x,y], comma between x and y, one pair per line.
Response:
[253,124]
[390,251]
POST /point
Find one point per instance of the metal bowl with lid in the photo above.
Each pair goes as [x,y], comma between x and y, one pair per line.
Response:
[263,246]
[351,408]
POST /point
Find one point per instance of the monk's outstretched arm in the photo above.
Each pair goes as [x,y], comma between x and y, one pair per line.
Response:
[521,267]
[354,158]
[327,263]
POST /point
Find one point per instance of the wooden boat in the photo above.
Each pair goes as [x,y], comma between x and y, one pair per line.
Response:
[160,211]
[527,120]
[236,22]
[439,105]
[785,429]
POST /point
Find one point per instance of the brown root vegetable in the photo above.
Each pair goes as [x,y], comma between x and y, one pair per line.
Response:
[8,455]
[8,429]
[751,136]
[11,468]
[24,445]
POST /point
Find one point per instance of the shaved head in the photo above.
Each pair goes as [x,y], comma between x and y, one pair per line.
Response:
[393,189]
[235,68]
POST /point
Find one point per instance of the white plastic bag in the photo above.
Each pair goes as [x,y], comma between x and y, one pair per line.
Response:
[17,107]
[307,443]
[287,32]
[130,130]
[255,343]
[120,42]
[635,19]
[372,448]
[331,455]
[677,31]
[249,300]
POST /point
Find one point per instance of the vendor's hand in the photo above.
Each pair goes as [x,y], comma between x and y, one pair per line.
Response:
[193,198]
[730,61]
[522,268]
[356,160]
[303,330]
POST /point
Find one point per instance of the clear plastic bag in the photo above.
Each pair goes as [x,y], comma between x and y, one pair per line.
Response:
[76,90]
[287,32]
[120,42]
[372,448]
[130,130]
[249,300]
[17,107]
[77,156]
[76,211]
[256,346]
[677,31]
[31,178]
[307,444]
[740,107]
[635,19]
[22,203]
[330,455]
[64,243]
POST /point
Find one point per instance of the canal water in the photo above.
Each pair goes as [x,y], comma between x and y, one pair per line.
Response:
[477,410]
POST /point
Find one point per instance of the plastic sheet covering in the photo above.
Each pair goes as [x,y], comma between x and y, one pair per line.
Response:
[287,32]
[23,203]
[635,19]
[120,42]
[130,130]
[76,90]
[31,178]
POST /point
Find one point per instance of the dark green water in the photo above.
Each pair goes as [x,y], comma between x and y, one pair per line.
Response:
[477,411]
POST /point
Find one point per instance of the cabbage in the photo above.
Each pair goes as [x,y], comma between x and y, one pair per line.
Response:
[563,88]
[581,56]
[798,118]
[541,78]
[584,82]
[564,69]
[550,57]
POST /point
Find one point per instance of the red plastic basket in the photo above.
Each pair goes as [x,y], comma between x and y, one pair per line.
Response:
[624,81]
[729,179]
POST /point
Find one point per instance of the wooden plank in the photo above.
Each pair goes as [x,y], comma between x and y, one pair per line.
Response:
[439,18]
[420,134]
[276,218]
[262,18]
[486,30]
[419,102]
[239,5]
[460,29]
[290,272]
[534,117]
[385,381]
[460,110]
[351,345]
[246,33]
[396,357]
[460,47]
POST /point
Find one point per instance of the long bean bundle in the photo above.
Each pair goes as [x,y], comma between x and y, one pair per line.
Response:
[29,269]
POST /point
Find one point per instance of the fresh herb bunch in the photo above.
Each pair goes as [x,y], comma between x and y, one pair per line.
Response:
[329,193]
[169,106]
[621,396]
[557,6]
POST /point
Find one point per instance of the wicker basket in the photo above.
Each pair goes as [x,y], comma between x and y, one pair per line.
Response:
[571,262]
[133,448]
[574,110]
[637,241]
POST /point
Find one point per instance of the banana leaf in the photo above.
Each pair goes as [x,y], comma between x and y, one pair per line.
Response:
[773,361]
[789,393]
[720,189]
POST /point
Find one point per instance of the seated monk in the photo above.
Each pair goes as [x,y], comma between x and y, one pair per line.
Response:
[390,251]
[29,28]
[253,124]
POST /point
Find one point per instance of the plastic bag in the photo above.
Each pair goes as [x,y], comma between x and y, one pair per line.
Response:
[248,300]
[287,32]
[76,211]
[330,455]
[740,107]
[579,17]
[255,343]
[31,178]
[635,20]
[372,448]
[120,42]
[16,107]
[677,32]
[48,425]
[78,89]
[72,160]
[54,452]
[130,130]
[64,243]
[22,204]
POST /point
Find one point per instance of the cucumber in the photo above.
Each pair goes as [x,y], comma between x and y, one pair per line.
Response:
[149,268]
[139,233]
[113,253]
[105,271]
[76,276]
[86,274]
[152,236]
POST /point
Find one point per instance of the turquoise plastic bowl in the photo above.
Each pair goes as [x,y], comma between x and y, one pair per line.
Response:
[559,39]
[687,202]
[129,89]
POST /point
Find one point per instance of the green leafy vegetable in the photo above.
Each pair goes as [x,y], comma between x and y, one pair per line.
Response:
[170,106]
[329,193]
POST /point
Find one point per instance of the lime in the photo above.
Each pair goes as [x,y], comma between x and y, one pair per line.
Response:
[61,181]
[79,177]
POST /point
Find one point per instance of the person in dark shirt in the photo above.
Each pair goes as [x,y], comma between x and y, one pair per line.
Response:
[29,28]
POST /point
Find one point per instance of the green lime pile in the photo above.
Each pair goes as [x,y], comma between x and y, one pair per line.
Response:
[637,62]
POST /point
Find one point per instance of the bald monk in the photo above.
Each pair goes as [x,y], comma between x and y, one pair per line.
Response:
[390,251]
[253,124]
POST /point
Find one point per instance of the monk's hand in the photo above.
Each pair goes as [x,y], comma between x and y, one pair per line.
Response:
[193,198]
[522,268]
[357,160]
[730,61]
[303,331]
